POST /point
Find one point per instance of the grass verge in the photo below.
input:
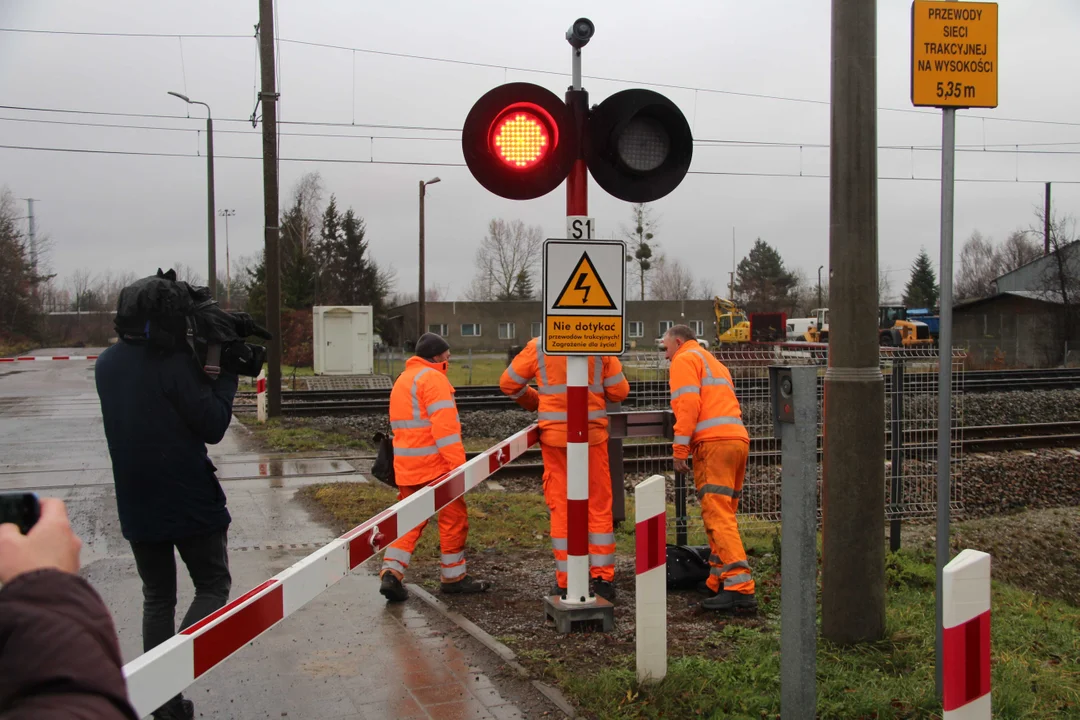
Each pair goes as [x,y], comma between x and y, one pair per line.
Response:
[298,435]
[730,668]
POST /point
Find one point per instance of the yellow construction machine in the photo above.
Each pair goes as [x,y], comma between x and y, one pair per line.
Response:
[896,330]
[732,327]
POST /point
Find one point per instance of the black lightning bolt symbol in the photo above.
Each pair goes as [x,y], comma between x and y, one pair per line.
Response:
[585,288]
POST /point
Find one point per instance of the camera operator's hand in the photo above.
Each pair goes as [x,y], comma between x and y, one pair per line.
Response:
[246,326]
[50,544]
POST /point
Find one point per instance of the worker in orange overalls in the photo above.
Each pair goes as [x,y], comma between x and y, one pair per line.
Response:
[606,384]
[427,445]
[708,421]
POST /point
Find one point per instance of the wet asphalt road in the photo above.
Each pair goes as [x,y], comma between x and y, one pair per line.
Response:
[344,655]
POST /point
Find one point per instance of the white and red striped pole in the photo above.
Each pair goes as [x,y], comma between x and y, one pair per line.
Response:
[260,396]
[650,543]
[577,411]
[45,358]
[157,675]
[965,652]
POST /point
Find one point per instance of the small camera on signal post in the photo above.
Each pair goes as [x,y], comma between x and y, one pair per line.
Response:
[782,395]
[580,33]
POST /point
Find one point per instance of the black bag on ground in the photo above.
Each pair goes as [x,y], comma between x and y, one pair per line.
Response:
[686,566]
[383,467]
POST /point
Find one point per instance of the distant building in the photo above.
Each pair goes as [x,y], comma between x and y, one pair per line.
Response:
[1013,329]
[1039,275]
[497,326]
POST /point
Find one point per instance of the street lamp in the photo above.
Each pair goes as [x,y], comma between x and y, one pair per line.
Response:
[421,327]
[820,268]
[228,280]
[212,263]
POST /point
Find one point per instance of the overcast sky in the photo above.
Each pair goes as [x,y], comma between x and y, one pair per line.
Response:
[121,212]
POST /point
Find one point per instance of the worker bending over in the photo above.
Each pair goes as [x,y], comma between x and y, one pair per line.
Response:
[708,421]
[606,384]
[427,445]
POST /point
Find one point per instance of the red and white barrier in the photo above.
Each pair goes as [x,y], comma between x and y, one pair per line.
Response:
[965,656]
[577,479]
[171,667]
[47,358]
[260,396]
[650,544]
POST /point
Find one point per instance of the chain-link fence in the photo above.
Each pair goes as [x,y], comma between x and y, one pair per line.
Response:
[909,473]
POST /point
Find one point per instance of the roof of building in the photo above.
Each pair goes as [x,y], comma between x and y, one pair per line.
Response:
[1049,297]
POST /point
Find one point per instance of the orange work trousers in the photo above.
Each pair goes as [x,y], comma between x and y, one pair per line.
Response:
[453,531]
[601,529]
[719,471]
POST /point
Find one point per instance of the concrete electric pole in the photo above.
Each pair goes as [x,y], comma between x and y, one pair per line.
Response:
[853,497]
[268,97]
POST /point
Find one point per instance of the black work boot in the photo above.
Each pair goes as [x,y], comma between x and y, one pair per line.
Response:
[466,586]
[392,589]
[728,601]
[182,710]
[556,590]
[603,588]
[704,589]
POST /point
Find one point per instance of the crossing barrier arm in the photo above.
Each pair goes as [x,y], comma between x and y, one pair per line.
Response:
[168,669]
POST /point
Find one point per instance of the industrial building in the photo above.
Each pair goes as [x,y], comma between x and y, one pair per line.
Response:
[498,326]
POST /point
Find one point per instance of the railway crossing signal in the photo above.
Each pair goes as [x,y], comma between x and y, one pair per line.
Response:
[520,141]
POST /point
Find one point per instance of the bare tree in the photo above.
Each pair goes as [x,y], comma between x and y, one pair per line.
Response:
[641,243]
[1060,281]
[1018,250]
[186,273]
[434,293]
[884,287]
[705,289]
[81,285]
[509,250]
[308,197]
[980,265]
[670,280]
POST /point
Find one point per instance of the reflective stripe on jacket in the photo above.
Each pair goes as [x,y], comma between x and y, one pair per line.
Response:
[425,423]
[606,384]
[703,399]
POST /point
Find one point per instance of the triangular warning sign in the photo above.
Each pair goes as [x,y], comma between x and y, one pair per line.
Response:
[584,290]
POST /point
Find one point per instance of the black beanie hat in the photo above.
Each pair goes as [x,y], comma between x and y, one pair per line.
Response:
[429,345]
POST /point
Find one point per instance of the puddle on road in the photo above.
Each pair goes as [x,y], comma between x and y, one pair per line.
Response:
[284,468]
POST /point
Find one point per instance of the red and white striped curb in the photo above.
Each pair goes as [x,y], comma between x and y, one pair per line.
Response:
[650,544]
[168,669]
[43,358]
[577,479]
[965,656]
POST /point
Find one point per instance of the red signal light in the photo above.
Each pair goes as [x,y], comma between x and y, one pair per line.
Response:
[519,141]
[520,138]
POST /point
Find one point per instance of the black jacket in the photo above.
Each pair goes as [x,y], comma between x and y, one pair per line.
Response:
[160,410]
[59,657]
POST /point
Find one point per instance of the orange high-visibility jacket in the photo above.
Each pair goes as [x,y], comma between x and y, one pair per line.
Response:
[424,419]
[703,399]
[606,384]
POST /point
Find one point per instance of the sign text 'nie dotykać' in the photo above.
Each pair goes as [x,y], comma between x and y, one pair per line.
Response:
[954,54]
[584,291]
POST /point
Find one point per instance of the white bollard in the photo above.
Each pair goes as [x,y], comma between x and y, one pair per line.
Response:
[650,542]
[965,656]
[260,396]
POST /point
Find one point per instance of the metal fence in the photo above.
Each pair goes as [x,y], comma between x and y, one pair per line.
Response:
[909,472]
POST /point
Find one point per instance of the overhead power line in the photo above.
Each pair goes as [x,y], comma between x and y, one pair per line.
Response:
[542,71]
[730,173]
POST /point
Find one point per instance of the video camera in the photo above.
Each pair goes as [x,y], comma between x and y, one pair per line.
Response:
[169,314]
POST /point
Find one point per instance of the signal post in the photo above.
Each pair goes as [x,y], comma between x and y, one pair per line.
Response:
[520,141]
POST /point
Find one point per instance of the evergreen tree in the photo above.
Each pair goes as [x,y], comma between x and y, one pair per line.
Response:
[762,284]
[523,286]
[922,289]
[641,244]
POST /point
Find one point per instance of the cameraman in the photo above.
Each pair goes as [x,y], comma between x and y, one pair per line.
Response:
[160,408]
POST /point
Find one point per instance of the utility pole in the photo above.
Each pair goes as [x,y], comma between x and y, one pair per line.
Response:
[1045,222]
[32,237]
[228,279]
[820,268]
[269,97]
[211,222]
[421,327]
[853,498]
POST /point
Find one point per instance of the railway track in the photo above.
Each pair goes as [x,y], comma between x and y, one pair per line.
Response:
[918,443]
[647,393]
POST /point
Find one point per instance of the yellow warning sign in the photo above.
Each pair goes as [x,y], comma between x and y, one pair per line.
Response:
[954,54]
[584,290]
[590,334]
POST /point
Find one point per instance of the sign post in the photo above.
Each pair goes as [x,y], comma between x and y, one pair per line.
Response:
[954,52]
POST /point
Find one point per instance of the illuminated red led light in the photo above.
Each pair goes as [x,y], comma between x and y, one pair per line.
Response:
[520,139]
